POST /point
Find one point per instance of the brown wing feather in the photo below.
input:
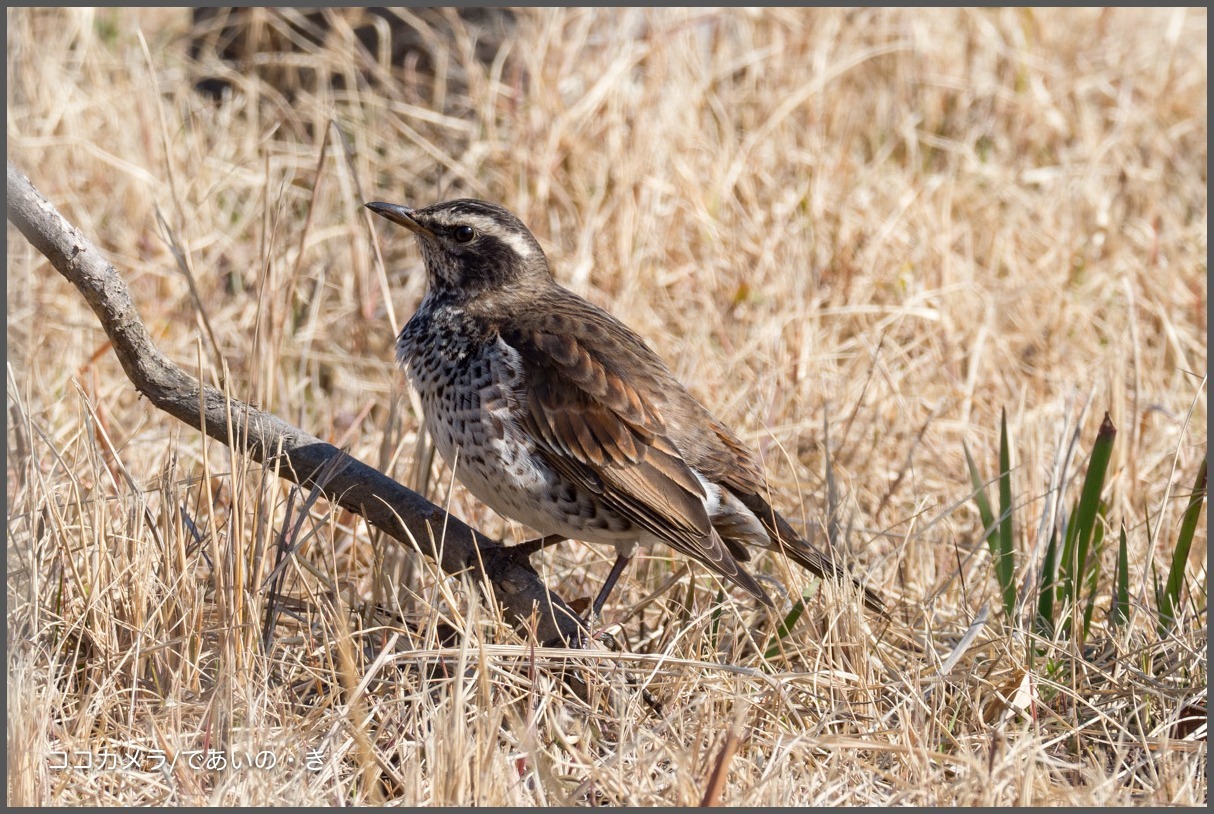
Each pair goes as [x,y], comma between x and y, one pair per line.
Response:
[597,429]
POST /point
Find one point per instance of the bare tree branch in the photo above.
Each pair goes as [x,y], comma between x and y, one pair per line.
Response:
[390,507]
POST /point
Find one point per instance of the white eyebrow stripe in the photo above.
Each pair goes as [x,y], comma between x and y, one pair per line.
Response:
[516,242]
[481,223]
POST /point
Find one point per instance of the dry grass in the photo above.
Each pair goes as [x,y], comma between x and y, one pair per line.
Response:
[885,225]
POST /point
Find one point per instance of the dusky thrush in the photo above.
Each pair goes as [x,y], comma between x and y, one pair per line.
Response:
[555,414]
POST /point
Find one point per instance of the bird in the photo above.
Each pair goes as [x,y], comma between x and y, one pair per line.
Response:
[555,414]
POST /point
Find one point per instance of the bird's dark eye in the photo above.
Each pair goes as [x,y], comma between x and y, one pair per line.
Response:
[464,233]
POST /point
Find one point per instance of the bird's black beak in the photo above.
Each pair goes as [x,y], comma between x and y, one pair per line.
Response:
[402,215]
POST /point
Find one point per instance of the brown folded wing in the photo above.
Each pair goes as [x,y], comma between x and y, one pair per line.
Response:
[597,429]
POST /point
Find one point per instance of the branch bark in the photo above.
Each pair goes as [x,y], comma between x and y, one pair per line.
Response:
[399,512]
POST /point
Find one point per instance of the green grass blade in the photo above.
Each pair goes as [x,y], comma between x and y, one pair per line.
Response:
[1004,564]
[1079,535]
[1170,600]
[1089,499]
[1064,581]
[1119,614]
[790,620]
[1049,579]
[1153,573]
[998,532]
[714,624]
[985,512]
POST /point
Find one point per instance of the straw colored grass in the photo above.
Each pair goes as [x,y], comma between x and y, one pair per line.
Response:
[857,235]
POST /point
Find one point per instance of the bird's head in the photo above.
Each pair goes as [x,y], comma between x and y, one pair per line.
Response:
[471,247]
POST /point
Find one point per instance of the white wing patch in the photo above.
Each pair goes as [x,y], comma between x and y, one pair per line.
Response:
[730,515]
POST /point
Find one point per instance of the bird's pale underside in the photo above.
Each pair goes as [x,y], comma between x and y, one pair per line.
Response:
[557,415]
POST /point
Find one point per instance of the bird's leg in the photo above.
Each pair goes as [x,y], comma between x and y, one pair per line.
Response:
[529,547]
[620,562]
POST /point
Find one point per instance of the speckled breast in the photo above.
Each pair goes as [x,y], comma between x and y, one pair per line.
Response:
[472,392]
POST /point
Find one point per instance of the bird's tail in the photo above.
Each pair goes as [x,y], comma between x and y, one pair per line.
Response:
[805,554]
